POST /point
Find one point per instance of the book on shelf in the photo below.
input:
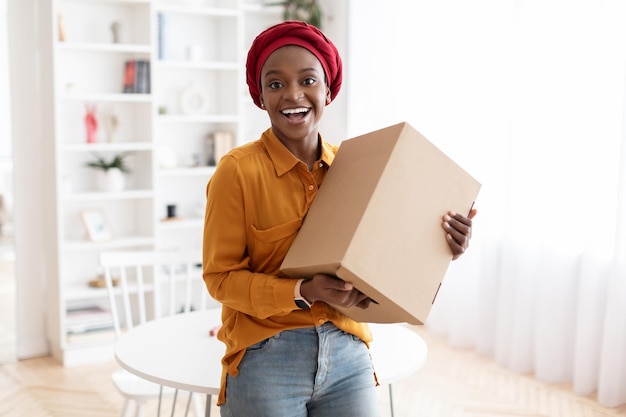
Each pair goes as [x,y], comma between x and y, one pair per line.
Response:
[88,319]
[137,76]
[94,336]
[161,26]
[217,145]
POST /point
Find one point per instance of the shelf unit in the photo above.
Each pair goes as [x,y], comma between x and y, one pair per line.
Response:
[196,53]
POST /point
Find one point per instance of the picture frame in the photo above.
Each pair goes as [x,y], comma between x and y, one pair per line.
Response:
[96,225]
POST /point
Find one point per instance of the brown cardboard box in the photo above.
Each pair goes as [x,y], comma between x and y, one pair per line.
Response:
[376,222]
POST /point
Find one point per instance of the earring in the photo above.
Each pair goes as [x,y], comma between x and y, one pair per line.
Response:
[262,105]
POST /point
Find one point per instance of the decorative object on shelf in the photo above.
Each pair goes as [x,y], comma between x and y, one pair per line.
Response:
[171,210]
[91,123]
[305,10]
[162,110]
[61,28]
[115,31]
[111,123]
[217,145]
[171,213]
[166,157]
[137,76]
[96,225]
[110,174]
[193,100]
[99,282]
[111,180]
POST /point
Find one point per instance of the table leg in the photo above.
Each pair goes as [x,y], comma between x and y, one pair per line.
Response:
[391,400]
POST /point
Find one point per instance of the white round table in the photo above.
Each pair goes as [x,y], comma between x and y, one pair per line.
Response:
[179,352]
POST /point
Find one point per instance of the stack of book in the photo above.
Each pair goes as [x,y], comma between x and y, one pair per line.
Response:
[88,319]
[137,76]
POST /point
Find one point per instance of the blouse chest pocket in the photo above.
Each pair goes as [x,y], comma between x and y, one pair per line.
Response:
[268,247]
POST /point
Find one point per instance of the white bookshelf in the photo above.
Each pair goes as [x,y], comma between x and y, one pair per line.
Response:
[191,45]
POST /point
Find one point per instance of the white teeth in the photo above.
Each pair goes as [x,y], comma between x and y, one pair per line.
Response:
[294,111]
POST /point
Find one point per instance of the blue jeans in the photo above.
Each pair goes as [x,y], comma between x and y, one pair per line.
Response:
[312,372]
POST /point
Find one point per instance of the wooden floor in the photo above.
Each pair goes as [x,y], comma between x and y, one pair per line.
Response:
[453,383]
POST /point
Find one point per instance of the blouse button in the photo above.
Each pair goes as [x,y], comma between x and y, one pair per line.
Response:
[311,188]
[321,321]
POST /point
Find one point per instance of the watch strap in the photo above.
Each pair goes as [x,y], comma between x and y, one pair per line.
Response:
[300,301]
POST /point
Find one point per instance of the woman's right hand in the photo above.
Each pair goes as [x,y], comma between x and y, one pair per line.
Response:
[334,291]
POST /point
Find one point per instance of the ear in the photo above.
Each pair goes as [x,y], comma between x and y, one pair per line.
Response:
[328,99]
[261,101]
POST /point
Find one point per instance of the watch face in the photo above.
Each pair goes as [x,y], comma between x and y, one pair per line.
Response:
[302,304]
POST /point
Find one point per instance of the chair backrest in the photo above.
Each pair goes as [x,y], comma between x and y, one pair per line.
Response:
[146,285]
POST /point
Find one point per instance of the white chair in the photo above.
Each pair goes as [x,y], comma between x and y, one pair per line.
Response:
[151,284]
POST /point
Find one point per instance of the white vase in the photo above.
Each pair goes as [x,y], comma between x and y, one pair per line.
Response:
[110,180]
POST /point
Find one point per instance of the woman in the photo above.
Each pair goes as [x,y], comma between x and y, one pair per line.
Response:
[288,351]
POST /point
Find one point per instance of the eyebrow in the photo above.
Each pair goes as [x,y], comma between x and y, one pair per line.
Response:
[303,70]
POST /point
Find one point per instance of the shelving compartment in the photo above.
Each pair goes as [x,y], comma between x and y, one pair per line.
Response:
[127,216]
[186,194]
[85,69]
[79,181]
[196,93]
[196,34]
[118,120]
[185,145]
[99,21]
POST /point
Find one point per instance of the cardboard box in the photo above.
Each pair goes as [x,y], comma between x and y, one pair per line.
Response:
[376,222]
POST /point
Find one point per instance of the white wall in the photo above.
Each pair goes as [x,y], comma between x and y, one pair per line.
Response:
[5,122]
[29,101]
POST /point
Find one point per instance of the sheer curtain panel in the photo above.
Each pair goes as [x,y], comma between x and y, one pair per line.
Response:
[529,96]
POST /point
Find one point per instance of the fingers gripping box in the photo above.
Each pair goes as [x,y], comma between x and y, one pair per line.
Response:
[376,223]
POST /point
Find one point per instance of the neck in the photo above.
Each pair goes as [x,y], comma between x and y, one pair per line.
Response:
[307,150]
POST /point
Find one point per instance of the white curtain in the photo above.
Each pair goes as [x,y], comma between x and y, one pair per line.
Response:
[529,96]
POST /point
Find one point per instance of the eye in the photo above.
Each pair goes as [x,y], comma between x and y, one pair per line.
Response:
[275,85]
[309,81]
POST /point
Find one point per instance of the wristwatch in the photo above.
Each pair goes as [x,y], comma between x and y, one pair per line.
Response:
[300,301]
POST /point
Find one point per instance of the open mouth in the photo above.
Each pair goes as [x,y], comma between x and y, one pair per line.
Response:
[299,112]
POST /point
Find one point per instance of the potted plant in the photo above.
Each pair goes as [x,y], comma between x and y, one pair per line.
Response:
[110,173]
[305,10]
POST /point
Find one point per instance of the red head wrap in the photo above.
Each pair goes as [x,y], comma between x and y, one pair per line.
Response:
[292,33]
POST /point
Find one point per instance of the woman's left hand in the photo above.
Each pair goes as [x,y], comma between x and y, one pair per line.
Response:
[459,231]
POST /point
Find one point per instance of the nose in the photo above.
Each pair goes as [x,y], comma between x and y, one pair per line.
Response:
[294,92]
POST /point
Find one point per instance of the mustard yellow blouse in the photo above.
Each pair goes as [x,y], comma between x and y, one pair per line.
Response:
[256,201]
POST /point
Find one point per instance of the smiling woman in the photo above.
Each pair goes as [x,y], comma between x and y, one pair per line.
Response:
[289,349]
